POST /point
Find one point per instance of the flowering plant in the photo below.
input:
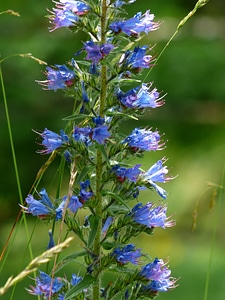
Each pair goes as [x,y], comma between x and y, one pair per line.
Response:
[102,80]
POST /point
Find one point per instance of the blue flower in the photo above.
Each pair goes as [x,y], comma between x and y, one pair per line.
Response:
[53,141]
[62,18]
[140,97]
[127,254]
[159,274]
[59,210]
[67,13]
[46,286]
[143,139]
[130,173]
[136,59]
[51,240]
[119,3]
[43,208]
[84,93]
[98,120]
[77,7]
[85,191]
[96,52]
[100,134]
[151,216]
[94,69]
[106,225]
[134,26]
[82,135]
[161,285]
[155,270]
[59,77]
[74,204]
[36,207]
[157,173]
[75,279]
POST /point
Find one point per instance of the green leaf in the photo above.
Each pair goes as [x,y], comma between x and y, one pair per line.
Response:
[120,114]
[110,245]
[66,260]
[76,117]
[83,173]
[116,197]
[94,220]
[82,285]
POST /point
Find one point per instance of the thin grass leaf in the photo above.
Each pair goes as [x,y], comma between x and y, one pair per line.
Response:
[198,5]
[35,263]
[10,12]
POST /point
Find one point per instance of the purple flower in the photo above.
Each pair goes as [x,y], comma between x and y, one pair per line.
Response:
[96,52]
[159,275]
[136,59]
[46,286]
[52,140]
[151,216]
[43,208]
[59,77]
[67,13]
[134,26]
[127,254]
[144,139]
[100,134]
[129,173]
[140,97]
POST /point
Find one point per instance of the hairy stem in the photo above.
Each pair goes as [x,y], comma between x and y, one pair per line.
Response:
[99,161]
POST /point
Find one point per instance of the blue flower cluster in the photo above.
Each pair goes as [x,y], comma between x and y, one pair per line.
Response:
[159,275]
[102,178]
[48,287]
[134,26]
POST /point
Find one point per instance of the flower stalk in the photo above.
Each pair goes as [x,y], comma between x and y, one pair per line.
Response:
[99,162]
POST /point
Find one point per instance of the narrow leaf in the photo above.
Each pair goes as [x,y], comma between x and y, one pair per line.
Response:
[84,284]
[94,220]
[116,197]
[63,262]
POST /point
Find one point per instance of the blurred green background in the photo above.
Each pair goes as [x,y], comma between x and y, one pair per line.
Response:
[192,73]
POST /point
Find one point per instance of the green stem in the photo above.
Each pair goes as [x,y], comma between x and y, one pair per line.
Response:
[213,242]
[99,159]
[15,168]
